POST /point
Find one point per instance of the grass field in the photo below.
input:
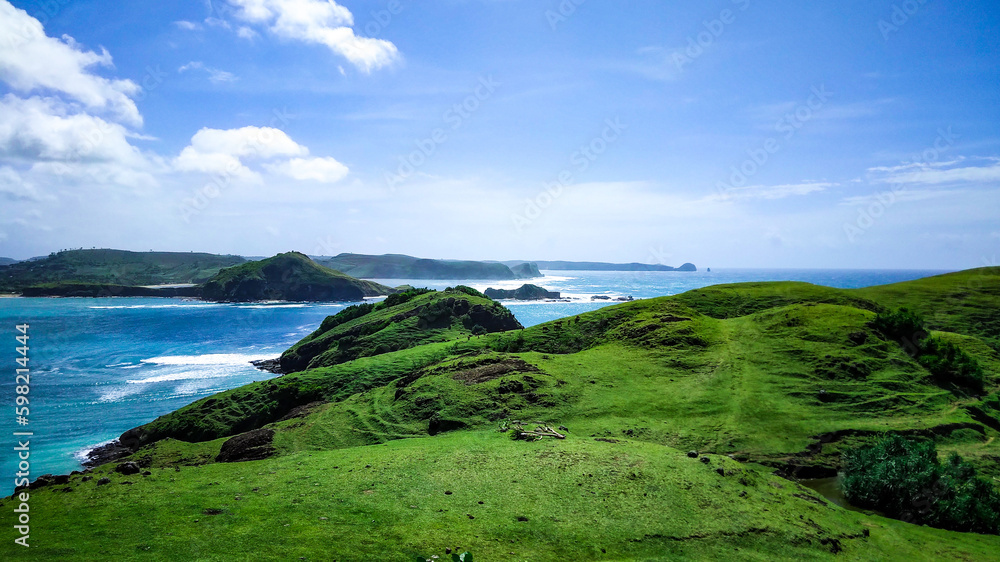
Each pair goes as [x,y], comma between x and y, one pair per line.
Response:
[389,455]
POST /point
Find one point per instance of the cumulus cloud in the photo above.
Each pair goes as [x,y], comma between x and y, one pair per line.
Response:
[215,75]
[322,22]
[323,170]
[223,151]
[30,62]
[45,129]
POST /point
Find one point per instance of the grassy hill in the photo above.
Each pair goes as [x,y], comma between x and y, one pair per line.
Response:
[398,266]
[114,267]
[290,276]
[393,454]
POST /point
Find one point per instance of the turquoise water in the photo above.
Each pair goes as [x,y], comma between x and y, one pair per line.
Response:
[102,366]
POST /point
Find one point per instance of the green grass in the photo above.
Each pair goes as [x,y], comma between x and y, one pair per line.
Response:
[780,375]
[580,499]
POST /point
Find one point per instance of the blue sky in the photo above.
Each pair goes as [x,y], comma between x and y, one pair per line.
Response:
[732,133]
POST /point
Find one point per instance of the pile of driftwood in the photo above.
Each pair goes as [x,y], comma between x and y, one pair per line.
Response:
[542,429]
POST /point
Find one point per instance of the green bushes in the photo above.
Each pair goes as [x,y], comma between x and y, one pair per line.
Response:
[345,316]
[405,296]
[945,360]
[467,290]
[903,479]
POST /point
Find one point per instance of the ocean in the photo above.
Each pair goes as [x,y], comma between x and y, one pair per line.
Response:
[101,366]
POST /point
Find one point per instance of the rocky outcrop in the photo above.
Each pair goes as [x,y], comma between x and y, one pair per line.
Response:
[523,293]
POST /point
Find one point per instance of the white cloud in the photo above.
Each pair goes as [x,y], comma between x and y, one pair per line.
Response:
[14,188]
[187,25]
[30,61]
[320,22]
[246,33]
[222,151]
[324,170]
[44,129]
[215,75]
[771,192]
[931,174]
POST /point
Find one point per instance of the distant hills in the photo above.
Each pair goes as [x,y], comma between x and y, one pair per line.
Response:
[290,276]
[399,266]
[107,272]
[603,266]
[115,267]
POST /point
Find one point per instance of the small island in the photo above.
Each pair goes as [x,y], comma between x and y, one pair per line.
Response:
[525,292]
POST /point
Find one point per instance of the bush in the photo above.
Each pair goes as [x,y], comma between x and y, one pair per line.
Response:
[467,290]
[945,360]
[346,315]
[948,362]
[478,330]
[405,296]
[901,325]
[903,479]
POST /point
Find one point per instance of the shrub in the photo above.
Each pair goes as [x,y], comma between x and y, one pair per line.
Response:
[478,330]
[903,479]
[346,315]
[945,360]
[467,290]
[405,296]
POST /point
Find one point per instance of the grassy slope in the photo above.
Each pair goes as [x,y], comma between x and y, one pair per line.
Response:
[117,267]
[582,500]
[964,302]
[735,369]
[390,328]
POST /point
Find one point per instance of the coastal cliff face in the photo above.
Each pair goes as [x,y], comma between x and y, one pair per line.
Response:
[528,270]
[525,292]
[292,277]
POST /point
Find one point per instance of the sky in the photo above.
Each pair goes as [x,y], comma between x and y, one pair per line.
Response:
[727,133]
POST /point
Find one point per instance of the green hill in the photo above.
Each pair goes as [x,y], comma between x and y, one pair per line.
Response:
[290,276]
[398,266]
[964,302]
[114,267]
[396,453]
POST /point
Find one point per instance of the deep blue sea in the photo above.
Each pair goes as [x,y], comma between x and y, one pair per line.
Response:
[101,366]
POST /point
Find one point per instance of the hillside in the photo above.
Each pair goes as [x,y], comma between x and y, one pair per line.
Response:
[964,302]
[7,261]
[397,452]
[114,267]
[291,276]
[603,266]
[397,266]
